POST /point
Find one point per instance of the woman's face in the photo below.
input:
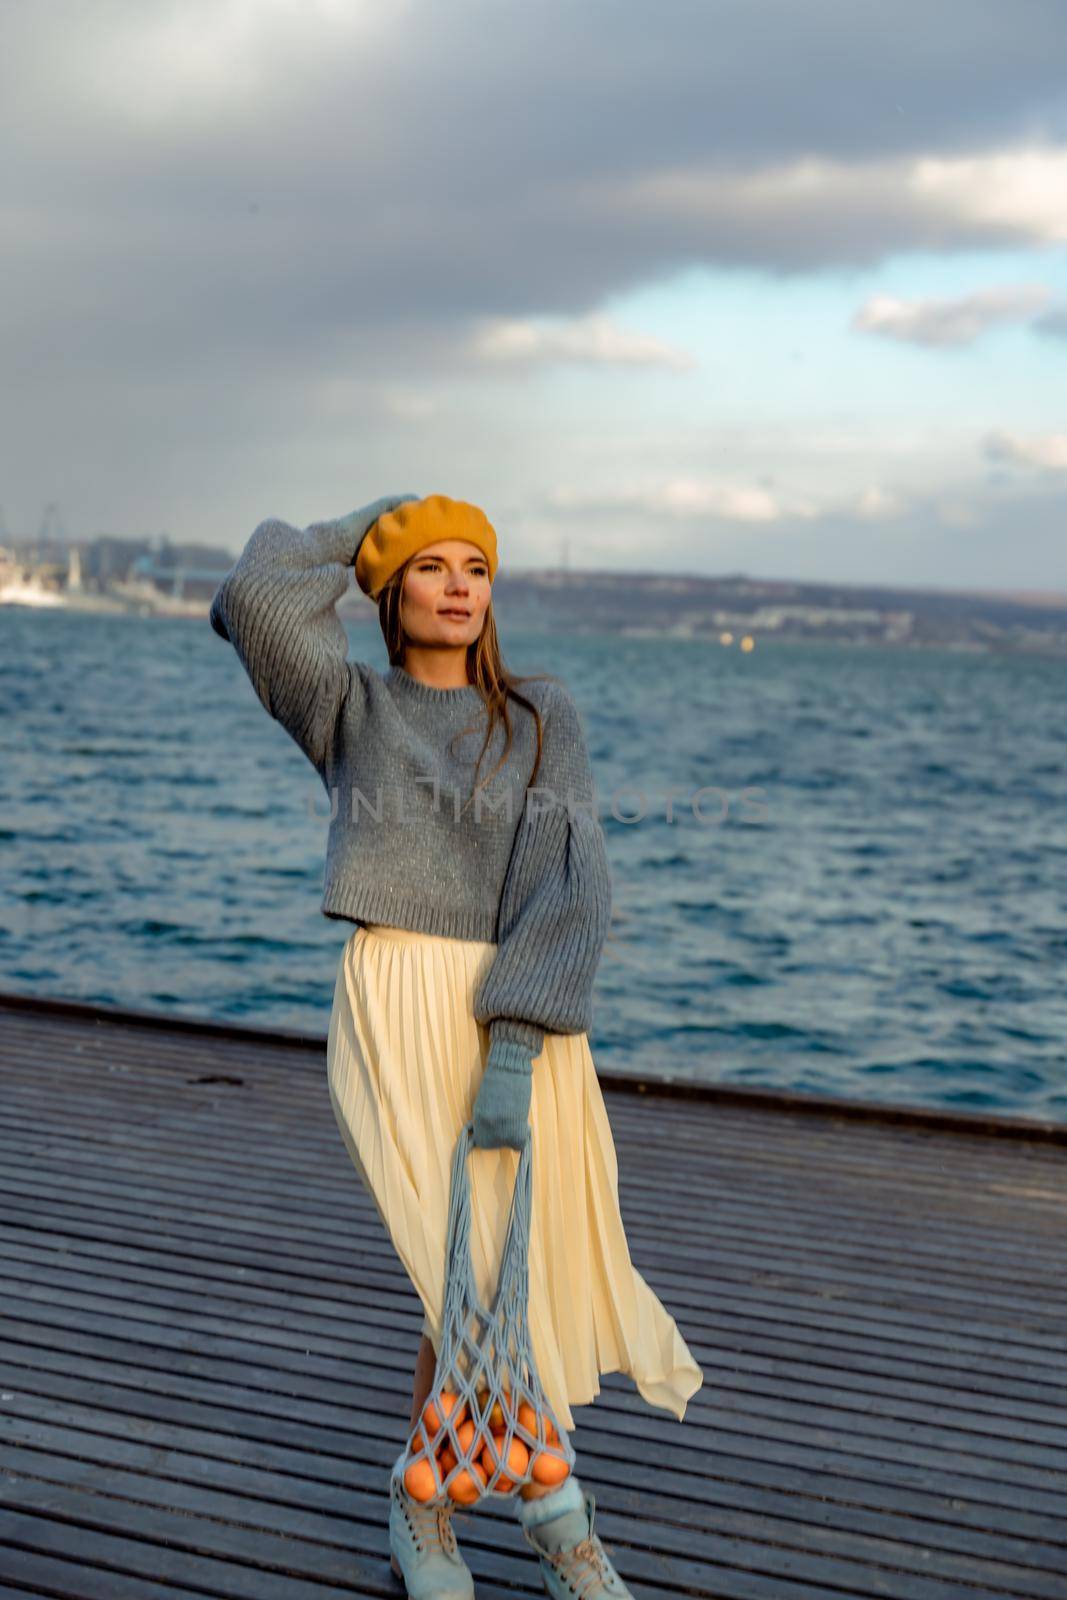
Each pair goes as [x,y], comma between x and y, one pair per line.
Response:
[450,576]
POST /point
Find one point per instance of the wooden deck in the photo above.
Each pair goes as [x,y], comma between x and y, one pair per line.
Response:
[197,1397]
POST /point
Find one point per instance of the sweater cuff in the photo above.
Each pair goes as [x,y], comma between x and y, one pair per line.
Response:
[506,1056]
[526,1034]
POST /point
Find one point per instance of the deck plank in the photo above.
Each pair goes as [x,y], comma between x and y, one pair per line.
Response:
[196,1397]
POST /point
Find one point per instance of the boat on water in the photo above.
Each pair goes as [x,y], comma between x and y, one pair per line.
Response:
[18,589]
[60,589]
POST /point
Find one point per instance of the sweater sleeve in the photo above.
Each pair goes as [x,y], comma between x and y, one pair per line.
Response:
[555,906]
[276,606]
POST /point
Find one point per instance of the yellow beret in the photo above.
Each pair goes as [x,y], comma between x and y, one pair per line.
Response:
[400,534]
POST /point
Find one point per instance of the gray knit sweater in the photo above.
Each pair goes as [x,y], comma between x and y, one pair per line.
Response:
[407,846]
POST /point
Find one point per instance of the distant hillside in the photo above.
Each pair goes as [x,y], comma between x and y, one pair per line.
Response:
[180,579]
[643,603]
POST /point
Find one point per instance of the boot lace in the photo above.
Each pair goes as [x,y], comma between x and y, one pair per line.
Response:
[431,1523]
[584,1567]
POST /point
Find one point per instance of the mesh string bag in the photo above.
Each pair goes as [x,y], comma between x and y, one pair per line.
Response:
[487,1426]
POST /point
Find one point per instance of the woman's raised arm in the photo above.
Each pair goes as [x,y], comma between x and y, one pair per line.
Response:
[277,607]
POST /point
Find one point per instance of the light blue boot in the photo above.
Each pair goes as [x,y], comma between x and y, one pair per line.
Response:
[425,1556]
[559,1526]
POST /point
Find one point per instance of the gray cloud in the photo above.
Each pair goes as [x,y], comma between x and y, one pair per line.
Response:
[228,229]
[1053,324]
[1045,452]
[1007,536]
[960,320]
[350,175]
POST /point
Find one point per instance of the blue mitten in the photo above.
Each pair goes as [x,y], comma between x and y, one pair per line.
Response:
[502,1105]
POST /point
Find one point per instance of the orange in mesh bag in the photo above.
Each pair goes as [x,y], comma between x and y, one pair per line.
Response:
[486,1426]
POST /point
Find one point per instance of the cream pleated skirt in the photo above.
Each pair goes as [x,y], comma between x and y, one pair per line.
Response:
[405,1058]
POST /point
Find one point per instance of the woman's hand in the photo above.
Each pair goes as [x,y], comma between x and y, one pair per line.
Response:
[362,521]
[502,1105]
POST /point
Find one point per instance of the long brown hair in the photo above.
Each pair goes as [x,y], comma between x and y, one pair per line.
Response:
[485,671]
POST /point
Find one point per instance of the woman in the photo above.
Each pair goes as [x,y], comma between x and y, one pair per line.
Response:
[481,902]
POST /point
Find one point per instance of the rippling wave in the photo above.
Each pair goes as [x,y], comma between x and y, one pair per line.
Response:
[839,871]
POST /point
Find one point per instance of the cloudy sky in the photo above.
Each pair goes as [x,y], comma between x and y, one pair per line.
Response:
[741,285]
